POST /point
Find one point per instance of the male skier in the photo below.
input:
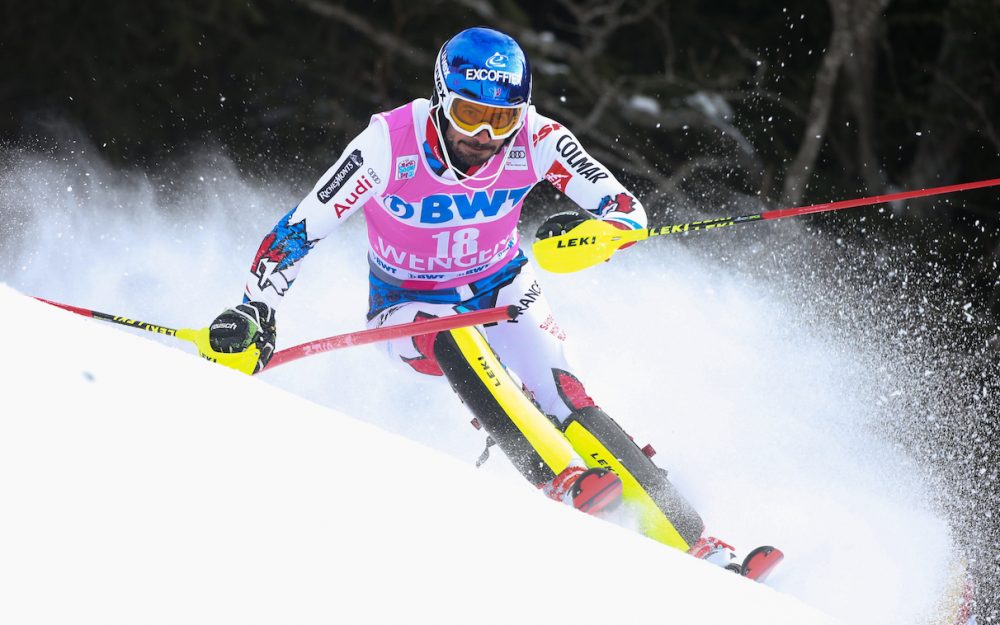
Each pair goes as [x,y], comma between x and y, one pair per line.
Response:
[441,184]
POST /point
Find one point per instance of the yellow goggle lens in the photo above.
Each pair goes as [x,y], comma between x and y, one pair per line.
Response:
[470,116]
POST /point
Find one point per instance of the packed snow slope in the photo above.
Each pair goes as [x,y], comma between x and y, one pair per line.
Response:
[142,485]
[149,483]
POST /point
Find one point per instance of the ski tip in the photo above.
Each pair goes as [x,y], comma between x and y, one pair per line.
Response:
[761,561]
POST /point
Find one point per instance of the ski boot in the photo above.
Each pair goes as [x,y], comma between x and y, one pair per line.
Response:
[589,490]
[756,565]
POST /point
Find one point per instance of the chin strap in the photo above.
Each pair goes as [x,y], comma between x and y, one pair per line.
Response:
[461,176]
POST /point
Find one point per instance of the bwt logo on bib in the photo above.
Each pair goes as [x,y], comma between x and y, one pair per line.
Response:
[441,208]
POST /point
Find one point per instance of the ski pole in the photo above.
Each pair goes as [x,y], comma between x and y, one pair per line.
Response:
[414,328]
[595,241]
[125,321]
[246,361]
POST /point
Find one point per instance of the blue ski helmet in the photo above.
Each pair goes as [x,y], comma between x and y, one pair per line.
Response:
[483,66]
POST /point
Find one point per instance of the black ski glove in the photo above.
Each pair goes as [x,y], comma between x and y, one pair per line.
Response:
[560,223]
[236,329]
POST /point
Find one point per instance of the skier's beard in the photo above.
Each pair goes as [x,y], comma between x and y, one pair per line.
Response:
[467,152]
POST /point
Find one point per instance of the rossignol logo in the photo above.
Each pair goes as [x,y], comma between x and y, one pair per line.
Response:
[441,208]
[575,158]
[351,165]
[494,75]
[497,61]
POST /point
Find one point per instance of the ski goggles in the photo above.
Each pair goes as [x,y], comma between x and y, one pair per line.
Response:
[470,118]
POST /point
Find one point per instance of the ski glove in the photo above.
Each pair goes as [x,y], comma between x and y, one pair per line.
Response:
[560,223]
[236,329]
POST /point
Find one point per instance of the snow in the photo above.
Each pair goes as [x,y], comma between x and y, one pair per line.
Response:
[644,104]
[142,485]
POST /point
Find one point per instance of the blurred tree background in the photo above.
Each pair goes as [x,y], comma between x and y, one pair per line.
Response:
[707,104]
[707,108]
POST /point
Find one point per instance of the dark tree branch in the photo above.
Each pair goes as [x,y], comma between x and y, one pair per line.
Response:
[384,39]
[802,166]
[860,68]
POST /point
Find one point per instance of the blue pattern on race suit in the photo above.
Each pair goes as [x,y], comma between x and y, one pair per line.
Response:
[436,165]
[382,295]
[284,246]
[290,244]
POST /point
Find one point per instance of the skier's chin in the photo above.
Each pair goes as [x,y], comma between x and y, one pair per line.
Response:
[468,152]
[477,157]
[471,156]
